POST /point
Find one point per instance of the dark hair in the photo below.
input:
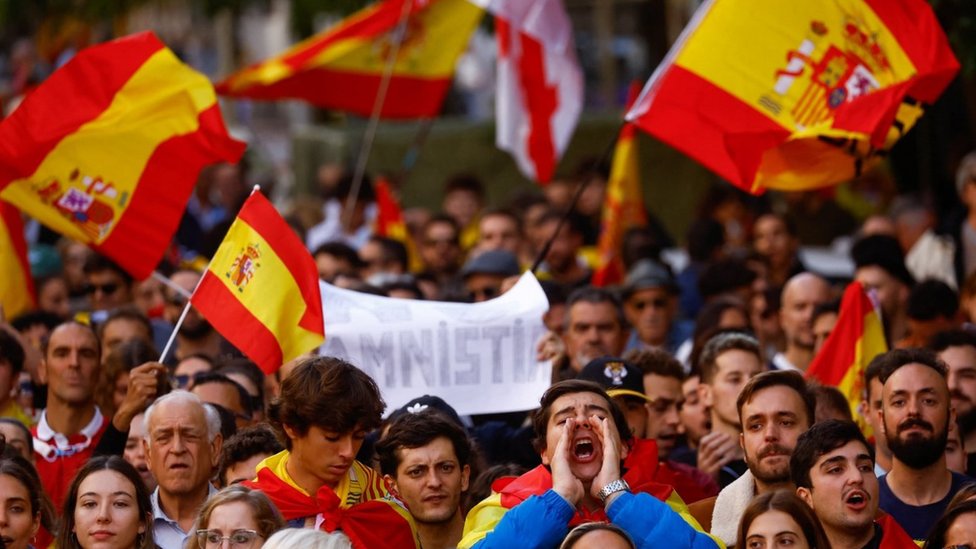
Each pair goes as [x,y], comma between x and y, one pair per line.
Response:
[327,392]
[66,538]
[504,212]
[932,299]
[778,378]
[465,182]
[787,502]
[245,444]
[889,362]
[17,467]
[820,439]
[11,351]
[594,295]
[342,251]
[656,361]
[252,372]
[481,487]
[725,275]
[720,343]
[126,313]
[23,428]
[575,534]
[941,341]
[205,378]
[266,515]
[830,399]
[884,252]
[96,263]
[413,430]
[937,536]
[820,309]
[540,419]
[392,250]
[704,237]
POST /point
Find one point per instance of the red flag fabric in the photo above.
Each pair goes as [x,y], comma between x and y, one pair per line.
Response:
[856,339]
[106,151]
[796,95]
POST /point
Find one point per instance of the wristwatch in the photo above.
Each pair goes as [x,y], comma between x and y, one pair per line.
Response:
[619,485]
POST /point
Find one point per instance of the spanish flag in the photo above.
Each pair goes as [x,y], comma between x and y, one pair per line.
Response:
[796,95]
[623,206]
[856,339]
[389,221]
[106,151]
[261,291]
[342,68]
[16,284]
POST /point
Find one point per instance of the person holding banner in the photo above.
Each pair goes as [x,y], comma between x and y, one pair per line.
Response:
[580,435]
[325,408]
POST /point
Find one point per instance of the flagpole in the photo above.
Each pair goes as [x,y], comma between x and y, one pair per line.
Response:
[186,308]
[374,119]
[607,153]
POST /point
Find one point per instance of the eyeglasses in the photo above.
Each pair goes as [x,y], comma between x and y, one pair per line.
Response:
[658,303]
[107,289]
[482,293]
[212,539]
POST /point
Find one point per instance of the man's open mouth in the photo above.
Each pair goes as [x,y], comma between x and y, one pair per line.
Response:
[583,449]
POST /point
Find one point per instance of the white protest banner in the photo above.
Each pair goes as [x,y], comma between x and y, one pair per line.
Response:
[478,357]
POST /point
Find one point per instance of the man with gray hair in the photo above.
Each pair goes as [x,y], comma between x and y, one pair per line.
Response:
[182,446]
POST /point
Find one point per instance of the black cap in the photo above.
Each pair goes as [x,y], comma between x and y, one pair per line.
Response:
[425,402]
[616,375]
[648,273]
[492,262]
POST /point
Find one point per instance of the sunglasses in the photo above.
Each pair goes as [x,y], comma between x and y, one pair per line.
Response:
[482,293]
[658,303]
[107,289]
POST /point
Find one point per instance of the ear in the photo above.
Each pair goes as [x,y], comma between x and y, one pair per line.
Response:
[884,430]
[391,486]
[742,441]
[864,410]
[806,495]
[215,446]
[35,525]
[465,477]
[147,453]
[705,394]
[290,432]
[42,371]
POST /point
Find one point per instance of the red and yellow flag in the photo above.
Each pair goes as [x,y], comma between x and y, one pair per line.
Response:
[261,291]
[342,67]
[16,284]
[389,221]
[856,339]
[107,150]
[623,205]
[796,95]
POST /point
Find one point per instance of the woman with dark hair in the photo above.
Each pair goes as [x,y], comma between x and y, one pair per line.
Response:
[956,528]
[781,519]
[25,506]
[605,535]
[107,502]
[114,380]
[245,517]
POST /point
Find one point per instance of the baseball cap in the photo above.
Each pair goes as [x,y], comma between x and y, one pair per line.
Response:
[617,376]
[646,274]
[492,262]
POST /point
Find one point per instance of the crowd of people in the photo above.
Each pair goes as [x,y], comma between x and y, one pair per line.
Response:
[678,413]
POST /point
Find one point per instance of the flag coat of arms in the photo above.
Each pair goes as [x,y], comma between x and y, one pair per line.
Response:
[856,339]
[796,95]
[261,290]
[342,68]
[106,151]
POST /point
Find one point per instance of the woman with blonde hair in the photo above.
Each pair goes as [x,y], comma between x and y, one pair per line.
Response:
[245,517]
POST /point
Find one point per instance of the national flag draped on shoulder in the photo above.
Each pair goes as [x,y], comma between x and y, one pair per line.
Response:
[106,151]
[856,339]
[342,68]
[796,95]
[16,284]
[261,290]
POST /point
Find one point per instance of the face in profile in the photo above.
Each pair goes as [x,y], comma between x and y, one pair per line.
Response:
[773,530]
[106,512]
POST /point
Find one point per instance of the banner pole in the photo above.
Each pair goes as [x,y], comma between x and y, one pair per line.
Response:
[172,336]
[607,154]
[374,119]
